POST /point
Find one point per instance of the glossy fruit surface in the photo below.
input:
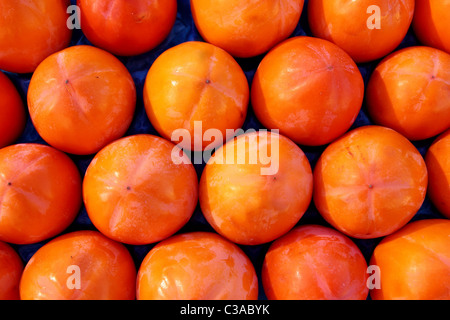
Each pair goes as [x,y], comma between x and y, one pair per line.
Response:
[40,193]
[431,23]
[127,27]
[135,193]
[370,183]
[11,267]
[246,28]
[196,84]
[413,262]
[309,89]
[313,262]
[80,99]
[81,265]
[256,188]
[409,91]
[438,164]
[366,29]
[12,112]
[30,31]
[197,266]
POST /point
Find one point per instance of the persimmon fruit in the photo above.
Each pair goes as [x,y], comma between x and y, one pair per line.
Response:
[30,31]
[81,265]
[81,99]
[370,183]
[309,89]
[438,163]
[430,23]
[196,266]
[413,262]
[11,268]
[12,112]
[243,28]
[313,262]
[127,27]
[196,82]
[409,91]
[353,25]
[251,199]
[134,192]
[40,193]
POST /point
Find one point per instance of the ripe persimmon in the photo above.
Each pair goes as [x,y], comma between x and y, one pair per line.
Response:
[366,29]
[409,91]
[309,89]
[196,81]
[253,199]
[81,265]
[30,31]
[430,23]
[413,262]
[80,99]
[313,262]
[438,164]
[196,266]
[11,268]
[370,182]
[40,193]
[12,112]
[246,28]
[134,192]
[127,27]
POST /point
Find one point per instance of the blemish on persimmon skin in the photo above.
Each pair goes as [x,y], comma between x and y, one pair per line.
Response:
[9,184]
[370,186]
[208,81]
[128,188]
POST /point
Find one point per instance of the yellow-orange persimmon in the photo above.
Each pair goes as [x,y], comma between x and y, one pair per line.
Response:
[370,182]
[197,266]
[11,268]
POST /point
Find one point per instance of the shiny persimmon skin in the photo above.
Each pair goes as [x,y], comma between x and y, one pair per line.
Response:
[143,24]
[30,31]
[106,269]
[345,23]
[40,193]
[11,268]
[438,164]
[196,266]
[186,84]
[246,28]
[309,89]
[313,262]
[370,183]
[413,262]
[409,91]
[431,23]
[80,99]
[249,206]
[12,112]
[134,192]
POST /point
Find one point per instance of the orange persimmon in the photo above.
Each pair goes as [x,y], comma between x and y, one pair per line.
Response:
[438,164]
[246,28]
[30,31]
[11,268]
[40,193]
[370,182]
[80,99]
[134,192]
[256,187]
[197,266]
[127,27]
[12,112]
[366,29]
[81,265]
[309,89]
[413,262]
[409,91]
[313,262]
